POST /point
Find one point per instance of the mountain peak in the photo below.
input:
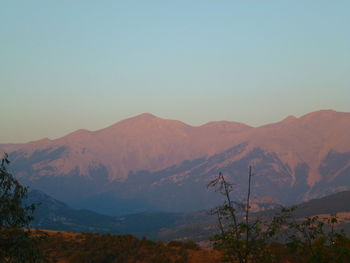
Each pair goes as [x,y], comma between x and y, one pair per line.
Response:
[135,120]
[320,113]
[289,119]
[228,126]
[145,116]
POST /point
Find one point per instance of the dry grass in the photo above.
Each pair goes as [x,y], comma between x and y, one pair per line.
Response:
[204,255]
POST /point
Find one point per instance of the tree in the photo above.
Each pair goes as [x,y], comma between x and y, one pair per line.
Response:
[314,239]
[241,238]
[17,242]
[245,239]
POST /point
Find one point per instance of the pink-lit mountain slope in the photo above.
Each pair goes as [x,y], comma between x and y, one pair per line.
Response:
[167,163]
[308,140]
[293,160]
[144,142]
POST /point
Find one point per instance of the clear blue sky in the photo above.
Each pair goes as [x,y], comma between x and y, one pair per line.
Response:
[67,64]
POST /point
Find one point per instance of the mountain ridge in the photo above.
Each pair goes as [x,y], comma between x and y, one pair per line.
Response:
[175,139]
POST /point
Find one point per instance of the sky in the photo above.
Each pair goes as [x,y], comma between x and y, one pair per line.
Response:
[66,65]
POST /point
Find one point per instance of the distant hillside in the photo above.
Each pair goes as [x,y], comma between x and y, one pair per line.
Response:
[206,226]
[332,204]
[199,226]
[55,215]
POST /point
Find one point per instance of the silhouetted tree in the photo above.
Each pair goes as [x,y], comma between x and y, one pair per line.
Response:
[17,242]
[246,239]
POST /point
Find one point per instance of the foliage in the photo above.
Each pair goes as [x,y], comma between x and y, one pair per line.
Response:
[16,243]
[243,239]
[240,238]
[188,244]
[93,247]
[314,239]
[12,211]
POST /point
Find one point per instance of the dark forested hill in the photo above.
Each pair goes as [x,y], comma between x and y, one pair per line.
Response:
[56,215]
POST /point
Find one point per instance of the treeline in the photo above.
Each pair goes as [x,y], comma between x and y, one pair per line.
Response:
[94,247]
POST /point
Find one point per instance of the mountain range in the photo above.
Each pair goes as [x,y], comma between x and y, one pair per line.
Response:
[148,163]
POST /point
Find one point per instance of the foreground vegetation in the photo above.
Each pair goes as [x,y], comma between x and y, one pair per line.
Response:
[17,243]
[107,248]
[242,239]
[65,247]
[279,238]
